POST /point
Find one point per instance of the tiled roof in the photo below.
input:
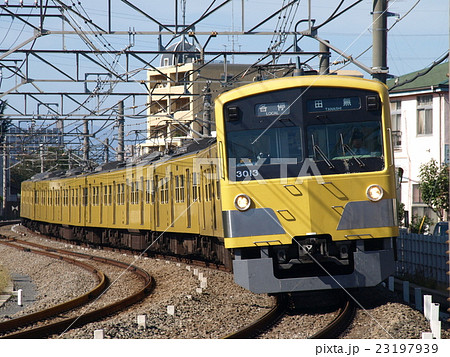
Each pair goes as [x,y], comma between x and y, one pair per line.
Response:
[436,77]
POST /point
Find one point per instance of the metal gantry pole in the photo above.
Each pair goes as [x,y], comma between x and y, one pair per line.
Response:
[86,142]
[120,122]
[379,51]
[324,64]
[207,111]
[5,179]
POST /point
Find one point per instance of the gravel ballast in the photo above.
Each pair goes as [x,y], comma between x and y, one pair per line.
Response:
[220,309]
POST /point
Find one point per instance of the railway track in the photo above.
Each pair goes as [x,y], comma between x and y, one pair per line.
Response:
[335,328]
[339,324]
[73,322]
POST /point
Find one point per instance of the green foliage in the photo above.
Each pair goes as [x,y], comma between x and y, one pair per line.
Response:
[418,224]
[434,182]
[5,122]
[400,213]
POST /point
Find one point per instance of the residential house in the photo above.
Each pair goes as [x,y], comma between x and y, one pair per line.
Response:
[420,129]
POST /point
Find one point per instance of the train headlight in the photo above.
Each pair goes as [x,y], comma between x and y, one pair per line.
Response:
[242,202]
[374,193]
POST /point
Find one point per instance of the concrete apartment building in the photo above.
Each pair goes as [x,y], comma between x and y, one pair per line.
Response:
[176,105]
[420,120]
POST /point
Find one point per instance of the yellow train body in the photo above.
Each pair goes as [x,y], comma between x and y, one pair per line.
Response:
[311,222]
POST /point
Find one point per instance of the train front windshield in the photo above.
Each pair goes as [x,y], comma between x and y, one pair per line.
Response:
[298,132]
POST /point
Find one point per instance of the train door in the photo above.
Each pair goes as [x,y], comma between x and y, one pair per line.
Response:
[156,200]
[188,199]
[70,202]
[208,200]
[89,202]
[79,203]
[204,200]
[127,202]
[171,198]
[114,202]
[212,181]
[60,204]
[141,199]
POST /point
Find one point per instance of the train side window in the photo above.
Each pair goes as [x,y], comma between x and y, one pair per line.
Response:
[94,195]
[181,188]
[121,194]
[110,195]
[177,189]
[195,187]
[119,190]
[147,191]
[133,187]
[85,196]
[153,191]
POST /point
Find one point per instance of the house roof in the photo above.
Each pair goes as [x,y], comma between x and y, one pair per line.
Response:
[436,77]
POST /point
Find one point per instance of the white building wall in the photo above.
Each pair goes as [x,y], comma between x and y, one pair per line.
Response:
[416,149]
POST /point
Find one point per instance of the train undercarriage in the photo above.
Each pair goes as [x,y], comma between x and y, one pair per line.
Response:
[188,246]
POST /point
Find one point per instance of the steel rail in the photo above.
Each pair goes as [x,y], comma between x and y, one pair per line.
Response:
[339,324]
[63,307]
[262,323]
[69,323]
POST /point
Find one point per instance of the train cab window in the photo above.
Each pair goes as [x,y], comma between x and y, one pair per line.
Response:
[261,153]
[346,147]
[262,146]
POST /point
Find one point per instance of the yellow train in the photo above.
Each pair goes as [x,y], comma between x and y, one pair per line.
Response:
[299,186]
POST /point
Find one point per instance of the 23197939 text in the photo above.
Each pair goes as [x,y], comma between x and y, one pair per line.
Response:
[379,348]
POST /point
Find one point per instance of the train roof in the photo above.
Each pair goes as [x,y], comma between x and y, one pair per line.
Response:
[156,156]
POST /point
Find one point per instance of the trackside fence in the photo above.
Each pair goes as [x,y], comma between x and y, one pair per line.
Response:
[423,257]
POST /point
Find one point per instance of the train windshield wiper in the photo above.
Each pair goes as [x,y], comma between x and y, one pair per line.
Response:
[316,148]
[324,157]
[345,148]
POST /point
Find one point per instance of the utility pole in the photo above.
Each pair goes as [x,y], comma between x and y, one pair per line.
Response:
[86,142]
[121,123]
[379,50]
[207,111]
[106,150]
[41,155]
[324,62]
[5,179]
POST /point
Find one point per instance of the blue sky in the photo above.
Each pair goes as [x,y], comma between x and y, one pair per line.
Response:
[414,42]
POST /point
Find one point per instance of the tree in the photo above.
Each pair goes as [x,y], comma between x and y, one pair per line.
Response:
[5,122]
[434,181]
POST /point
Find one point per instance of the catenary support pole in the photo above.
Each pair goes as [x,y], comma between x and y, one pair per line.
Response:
[379,50]
[120,122]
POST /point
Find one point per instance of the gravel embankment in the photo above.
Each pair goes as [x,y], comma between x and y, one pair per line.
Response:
[220,309]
